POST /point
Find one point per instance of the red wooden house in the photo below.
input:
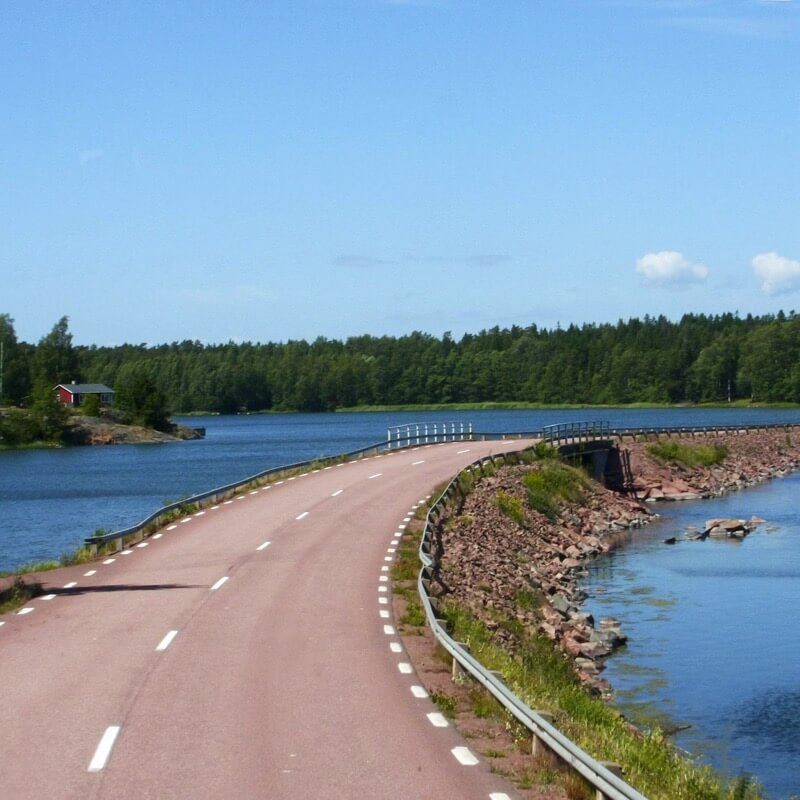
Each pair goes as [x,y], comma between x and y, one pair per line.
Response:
[73,394]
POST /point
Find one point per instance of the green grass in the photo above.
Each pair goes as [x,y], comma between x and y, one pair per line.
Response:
[699,455]
[552,485]
[19,593]
[446,703]
[543,678]
[510,506]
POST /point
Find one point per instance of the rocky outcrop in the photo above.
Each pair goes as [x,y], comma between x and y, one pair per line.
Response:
[753,457]
[525,577]
[97,431]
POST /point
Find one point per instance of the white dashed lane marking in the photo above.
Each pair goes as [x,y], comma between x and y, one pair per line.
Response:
[70,584]
[26,610]
[388,630]
[90,573]
[419,692]
[166,641]
[263,546]
[104,749]
[302,516]
[465,756]
[376,475]
[337,492]
[109,560]
[219,583]
[417,463]
[437,720]
[405,668]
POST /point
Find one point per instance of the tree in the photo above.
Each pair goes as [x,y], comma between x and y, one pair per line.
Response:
[15,384]
[56,360]
[138,395]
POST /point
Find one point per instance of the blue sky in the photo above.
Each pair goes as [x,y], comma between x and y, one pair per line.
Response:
[279,170]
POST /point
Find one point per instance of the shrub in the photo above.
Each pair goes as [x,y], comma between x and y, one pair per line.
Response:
[701,455]
[552,485]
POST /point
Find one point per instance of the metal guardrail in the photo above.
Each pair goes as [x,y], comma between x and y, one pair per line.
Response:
[428,432]
[598,775]
[141,529]
[576,431]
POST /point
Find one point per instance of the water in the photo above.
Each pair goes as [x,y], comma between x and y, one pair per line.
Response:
[51,500]
[711,623]
[712,633]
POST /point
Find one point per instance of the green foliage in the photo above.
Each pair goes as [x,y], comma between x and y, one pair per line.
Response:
[700,455]
[90,407]
[138,394]
[722,358]
[510,506]
[541,677]
[553,484]
[446,703]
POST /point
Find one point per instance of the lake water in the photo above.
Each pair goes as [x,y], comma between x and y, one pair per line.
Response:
[712,632]
[711,624]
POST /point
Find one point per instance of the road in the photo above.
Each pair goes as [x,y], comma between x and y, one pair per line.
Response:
[247,651]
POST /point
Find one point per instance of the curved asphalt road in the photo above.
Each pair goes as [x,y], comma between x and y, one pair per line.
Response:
[247,652]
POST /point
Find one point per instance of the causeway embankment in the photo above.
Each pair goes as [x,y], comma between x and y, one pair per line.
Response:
[526,568]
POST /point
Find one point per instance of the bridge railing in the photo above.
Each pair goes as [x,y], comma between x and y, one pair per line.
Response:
[599,775]
[414,433]
[576,431]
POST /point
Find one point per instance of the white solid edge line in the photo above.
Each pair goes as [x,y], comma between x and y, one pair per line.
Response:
[437,720]
[219,583]
[263,546]
[166,641]
[104,748]
[465,756]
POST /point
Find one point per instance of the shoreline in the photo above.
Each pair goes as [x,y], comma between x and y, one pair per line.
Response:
[530,573]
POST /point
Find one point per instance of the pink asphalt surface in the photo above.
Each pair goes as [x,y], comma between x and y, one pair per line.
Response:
[279,683]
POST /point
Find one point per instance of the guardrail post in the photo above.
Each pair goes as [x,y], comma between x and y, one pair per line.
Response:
[538,747]
[459,674]
[614,769]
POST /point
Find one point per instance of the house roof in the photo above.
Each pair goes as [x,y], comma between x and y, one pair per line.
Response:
[85,388]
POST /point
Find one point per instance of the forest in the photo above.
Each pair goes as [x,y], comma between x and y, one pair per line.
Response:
[698,359]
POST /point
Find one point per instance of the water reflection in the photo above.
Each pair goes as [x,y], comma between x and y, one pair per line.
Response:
[720,653]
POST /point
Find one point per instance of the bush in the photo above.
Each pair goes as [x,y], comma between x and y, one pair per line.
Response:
[553,484]
[701,455]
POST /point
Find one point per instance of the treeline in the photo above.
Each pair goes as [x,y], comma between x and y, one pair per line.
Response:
[697,359]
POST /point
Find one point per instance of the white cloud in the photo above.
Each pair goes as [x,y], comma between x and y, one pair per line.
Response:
[778,274]
[669,267]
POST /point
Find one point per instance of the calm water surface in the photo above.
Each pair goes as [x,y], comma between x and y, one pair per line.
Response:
[712,625]
[713,632]
[50,500]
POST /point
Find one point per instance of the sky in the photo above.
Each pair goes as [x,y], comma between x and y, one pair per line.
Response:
[289,169]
